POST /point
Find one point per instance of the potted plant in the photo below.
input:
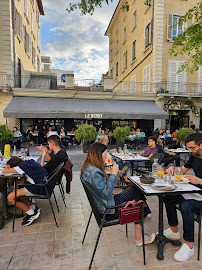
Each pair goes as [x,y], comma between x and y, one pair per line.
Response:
[182,134]
[6,135]
[121,134]
[86,134]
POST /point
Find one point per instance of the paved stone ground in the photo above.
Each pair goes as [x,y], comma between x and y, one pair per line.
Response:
[43,246]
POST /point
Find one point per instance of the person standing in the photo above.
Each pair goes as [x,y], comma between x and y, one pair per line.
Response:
[192,125]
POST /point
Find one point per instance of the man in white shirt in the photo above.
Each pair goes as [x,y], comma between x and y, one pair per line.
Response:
[189,203]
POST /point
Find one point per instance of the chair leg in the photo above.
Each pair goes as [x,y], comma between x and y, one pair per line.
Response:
[14,211]
[87,227]
[62,194]
[126,230]
[56,201]
[199,237]
[142,225]
[52,211]
[98,238]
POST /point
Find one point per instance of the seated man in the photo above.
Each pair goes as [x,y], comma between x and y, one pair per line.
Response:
[149,151]
[36,174]
[189,203]
[168,157]
[57,156]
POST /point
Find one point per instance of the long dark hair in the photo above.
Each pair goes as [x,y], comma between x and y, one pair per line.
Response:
[94,157]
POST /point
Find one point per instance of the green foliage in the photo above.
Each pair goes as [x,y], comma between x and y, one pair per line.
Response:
[190,41]
[86,133]
[5,133]
[121,133]
[89,6]
[182,133]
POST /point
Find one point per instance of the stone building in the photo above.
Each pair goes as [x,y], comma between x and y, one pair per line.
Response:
[140,62]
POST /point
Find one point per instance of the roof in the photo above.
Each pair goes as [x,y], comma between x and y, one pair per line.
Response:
[40,5]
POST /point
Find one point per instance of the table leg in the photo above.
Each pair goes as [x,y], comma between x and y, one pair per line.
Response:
[160,239]
[131,168]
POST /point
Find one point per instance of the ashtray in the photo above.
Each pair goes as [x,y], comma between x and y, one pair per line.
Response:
[149,180]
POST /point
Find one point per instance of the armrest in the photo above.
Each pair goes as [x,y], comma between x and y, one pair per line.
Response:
[29,184]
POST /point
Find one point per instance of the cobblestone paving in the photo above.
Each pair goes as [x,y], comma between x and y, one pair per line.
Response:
[43,246]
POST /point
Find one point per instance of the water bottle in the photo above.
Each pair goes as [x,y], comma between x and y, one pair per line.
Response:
[155,167]
[14,150]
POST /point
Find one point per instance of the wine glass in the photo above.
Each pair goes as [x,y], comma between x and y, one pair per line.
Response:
[160,171]
[178,174]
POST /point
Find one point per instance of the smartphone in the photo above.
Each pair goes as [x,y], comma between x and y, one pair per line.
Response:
[121,172]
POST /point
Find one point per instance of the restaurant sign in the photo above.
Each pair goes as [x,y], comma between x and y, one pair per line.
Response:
[93,115]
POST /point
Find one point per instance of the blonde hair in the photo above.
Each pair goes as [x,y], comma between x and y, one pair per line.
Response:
[167,131]
[100,139]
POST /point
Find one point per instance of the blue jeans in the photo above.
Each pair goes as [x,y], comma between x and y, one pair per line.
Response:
[187,209]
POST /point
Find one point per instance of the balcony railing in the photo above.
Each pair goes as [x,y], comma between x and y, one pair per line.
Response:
[5,81]
[134,87]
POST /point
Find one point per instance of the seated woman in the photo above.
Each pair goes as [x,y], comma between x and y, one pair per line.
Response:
[36,174]
[93,172]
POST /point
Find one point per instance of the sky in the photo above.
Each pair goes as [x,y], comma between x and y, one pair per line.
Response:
[76,42]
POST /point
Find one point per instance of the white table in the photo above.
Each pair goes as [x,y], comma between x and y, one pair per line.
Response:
[178,151]
[130,158]
[147,190]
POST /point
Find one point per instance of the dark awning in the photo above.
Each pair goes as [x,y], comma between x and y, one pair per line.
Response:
[35,107]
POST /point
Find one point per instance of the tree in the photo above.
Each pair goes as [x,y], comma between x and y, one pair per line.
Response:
[190,41]
[89,6]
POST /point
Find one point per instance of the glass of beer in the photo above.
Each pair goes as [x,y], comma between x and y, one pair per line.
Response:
[160,171]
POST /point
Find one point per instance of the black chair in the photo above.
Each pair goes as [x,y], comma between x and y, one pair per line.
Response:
[148,165]
[59,183]
[101,219]
[197,218]
[49,188]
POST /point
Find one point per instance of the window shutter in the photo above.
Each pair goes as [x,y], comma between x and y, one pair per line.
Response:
[146,37]
[21,27]
[124,87]
[200,79]
[133,84]
[14,17]
[30,47]
[170,23]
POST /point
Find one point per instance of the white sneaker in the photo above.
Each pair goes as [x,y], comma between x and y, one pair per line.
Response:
[184,253]
[171,235]
[148,239]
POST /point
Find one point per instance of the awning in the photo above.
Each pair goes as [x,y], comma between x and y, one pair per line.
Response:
[34,107]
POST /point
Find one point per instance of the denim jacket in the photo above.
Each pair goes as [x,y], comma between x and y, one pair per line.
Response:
[101,186]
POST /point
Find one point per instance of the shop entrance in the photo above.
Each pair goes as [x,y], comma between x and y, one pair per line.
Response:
[179,119]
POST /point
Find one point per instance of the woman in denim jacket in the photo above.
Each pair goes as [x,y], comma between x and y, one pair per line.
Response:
[93,172]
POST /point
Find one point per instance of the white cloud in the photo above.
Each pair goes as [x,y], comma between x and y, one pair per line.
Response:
[76,42]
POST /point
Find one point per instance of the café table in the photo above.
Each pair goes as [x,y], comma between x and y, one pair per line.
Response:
[147,190]
[179,151]
[130,158]
[5,215]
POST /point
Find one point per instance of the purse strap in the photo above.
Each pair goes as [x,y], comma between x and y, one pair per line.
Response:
[134,203]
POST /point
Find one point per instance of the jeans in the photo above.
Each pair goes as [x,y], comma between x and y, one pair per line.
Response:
[168,160]
[187,209]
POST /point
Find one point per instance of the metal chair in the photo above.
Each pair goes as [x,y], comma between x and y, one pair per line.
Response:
[49,188]
[101,218]
[148,165]
[197,218]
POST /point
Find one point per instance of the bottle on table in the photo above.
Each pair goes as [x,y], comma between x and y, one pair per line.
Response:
[154,168]
[14,150]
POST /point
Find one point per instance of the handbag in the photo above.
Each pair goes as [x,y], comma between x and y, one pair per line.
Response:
[132,212]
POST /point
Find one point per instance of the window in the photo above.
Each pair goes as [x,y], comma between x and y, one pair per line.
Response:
[30,46]
[125,60]
[110,56]
[117,69]
[111,72]
[124,34]
[200,79]
[117,46]
[117,26]
[111,37]
[147,35]
[147,4]
[37,14]
[32,22]
[146,79]
[26,8]
[124,86]
[134,21]
[33,54]
[133,84]
[176,82]
[38,39]
[133,50]
[18,25]
[173,32]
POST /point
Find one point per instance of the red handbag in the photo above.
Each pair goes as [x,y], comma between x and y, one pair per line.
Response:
[130,213]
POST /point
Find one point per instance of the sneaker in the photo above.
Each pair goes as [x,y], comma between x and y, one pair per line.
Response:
[37,209]
[184,253]
[30,218]
[171,235]
[148,239]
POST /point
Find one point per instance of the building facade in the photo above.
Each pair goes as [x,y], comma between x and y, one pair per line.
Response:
[20,49]
[140,62]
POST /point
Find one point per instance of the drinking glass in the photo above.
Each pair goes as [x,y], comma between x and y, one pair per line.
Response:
[167,179]
[160,172]
[178,174]
[134,154]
